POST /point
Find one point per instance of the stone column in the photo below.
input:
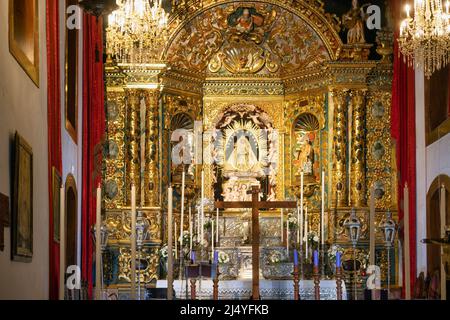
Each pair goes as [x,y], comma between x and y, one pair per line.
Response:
[339,186]
[357,157]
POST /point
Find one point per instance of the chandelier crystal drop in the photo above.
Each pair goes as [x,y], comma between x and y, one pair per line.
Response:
[137,31]
[424,37]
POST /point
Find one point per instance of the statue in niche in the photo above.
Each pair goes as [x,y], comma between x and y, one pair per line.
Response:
[354,21]
[306,155]
[243,158]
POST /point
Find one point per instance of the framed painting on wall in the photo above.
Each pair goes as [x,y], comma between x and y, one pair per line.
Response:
[24,35]
[56,197]
[22,202]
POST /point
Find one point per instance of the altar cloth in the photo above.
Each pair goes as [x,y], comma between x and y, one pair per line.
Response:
[269,289]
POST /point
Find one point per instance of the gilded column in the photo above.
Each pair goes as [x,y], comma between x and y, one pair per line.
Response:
[339,148]
[132,158]
[358,175]
[151,175]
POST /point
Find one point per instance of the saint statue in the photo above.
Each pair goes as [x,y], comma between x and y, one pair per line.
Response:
[243,158]
[354,21]
[306,155]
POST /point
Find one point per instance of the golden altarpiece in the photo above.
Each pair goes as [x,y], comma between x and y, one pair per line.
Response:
[278,65]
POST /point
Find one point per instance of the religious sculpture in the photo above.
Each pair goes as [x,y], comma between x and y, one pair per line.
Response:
[246,23]
[243,158]
[354,21]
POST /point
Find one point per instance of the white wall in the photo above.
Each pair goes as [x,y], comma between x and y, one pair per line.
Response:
[23,107]
[432,161]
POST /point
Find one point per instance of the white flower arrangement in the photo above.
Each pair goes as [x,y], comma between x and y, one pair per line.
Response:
[292,220]
[224,258]
[164,252]
[332,252]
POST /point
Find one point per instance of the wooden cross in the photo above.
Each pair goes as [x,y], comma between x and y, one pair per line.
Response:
[255,205]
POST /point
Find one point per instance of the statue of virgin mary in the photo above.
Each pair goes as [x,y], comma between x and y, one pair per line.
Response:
[243,158]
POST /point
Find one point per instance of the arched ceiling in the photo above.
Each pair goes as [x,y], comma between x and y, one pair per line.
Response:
[265,38]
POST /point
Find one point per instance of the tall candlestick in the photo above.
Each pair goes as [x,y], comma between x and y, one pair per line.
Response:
[322,213]
[350,153]
[133,242]
[306,233]
[198,225]
[62,244]
[287,235]
[170,245]
[372,226]
[282,226]
[183,181]
[176,242]
[202,207]
[302,182]
[443,224]
[217,226]
[407,243]
[212,238]
[190,229]
[98,252]
[295,257]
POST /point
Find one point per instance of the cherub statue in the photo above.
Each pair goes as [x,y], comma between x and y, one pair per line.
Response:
[354,21]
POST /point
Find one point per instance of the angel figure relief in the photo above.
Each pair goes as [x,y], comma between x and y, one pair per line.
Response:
[354,21]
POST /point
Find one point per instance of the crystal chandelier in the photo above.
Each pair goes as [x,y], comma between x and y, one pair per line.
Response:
[425,38]
[137,31]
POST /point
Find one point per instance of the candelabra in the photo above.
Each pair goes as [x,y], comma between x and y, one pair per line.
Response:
[353,227]
[424,38]
[389,228]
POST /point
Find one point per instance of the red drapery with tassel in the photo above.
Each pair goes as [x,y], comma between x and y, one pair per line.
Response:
[93,131]
[404,134]
[54,132]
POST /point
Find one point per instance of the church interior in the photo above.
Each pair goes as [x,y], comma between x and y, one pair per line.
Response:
[224,150]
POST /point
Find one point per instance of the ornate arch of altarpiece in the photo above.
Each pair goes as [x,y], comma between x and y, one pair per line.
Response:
[291,61]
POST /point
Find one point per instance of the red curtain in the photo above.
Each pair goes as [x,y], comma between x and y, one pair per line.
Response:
[404,135]
[53,131]
[93,131]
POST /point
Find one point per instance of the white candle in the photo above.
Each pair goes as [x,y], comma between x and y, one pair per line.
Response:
[183,182]
[281,226]
[62,243]
[306,232]
[170,245]
[212,239]
[443,224]
[217,225]
[407,244]
[202,207]
[198,225]
[322,213]
[176,242]
[98,253]
[298,224]
[133,242]
[302,177]
[190,229]
[287,236]
[372,226]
